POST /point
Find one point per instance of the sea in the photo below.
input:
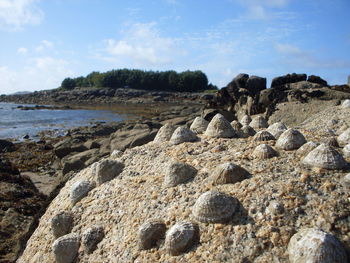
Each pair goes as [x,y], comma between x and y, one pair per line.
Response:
[16,123]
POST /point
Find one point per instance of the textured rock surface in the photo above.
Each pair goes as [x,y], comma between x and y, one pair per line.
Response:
[344,138]
[313,245]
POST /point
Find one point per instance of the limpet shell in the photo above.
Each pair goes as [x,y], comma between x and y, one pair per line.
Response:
[246,131]
[344,137]
[346,103]
[150,232]
[346,151]
[228,173]
[324,156]
[181,135]
[214,207]
[199,125]
[62,224]
[181,237]
[236,125]
[263,136]
[107,170]
[314,245]
[219,127]
[331,141]
[177,173]
[259,122]
[79,190]
[91,237]
[164,133]
[306,148]
[291,139]
[246,119]
[277,129]
[264,151]
[66,248]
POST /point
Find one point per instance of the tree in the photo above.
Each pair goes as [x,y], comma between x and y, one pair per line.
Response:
[68,83]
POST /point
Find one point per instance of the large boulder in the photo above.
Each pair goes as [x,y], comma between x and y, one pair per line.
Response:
[317,79]
[6,146]
[289,78]
[256,84]
[68,146]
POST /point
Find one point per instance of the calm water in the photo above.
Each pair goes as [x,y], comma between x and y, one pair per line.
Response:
[16,123]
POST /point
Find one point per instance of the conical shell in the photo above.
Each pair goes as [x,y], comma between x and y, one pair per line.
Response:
[262,136]
[214,207]
[346,151]
[314,245]
[236,125]
[346,181]
[62,224]
[346,103]
[331,141]
[246,131]
[291,139]
[91,237]
[264,151]
[344,138]
[228,173]
[306,148]
[259,122]
[199,125]
[150,232]
[246,119]
[219,127]
[183,134]
[181,237]
[66,248]
[324,156]
[164,133]
[177,173]
[277,129]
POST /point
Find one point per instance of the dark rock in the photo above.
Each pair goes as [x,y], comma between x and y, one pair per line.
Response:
[256,84]
[343,88]
[72,164]
[289,78]
[317,79]
[68,146]
[208,114]
[6,146]
[26,136]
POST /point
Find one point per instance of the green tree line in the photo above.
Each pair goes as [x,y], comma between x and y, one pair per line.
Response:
[187,81]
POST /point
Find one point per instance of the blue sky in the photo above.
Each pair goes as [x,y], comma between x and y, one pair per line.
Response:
[42,42]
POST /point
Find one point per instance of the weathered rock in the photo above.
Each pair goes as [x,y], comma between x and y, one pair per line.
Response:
[199,125]
[219,127]
[66,248]
[107,170]
[291,139]
[314,245]
[324,156]
[306,148]
[259,122]
[91,237]
[344,138]
[181,135]
[62,224]
[246,131]
[289,78]
[264,151]
[72,165]
[79,190]
[214,207]
[317,79]
[277,129]
[346,104]
[178,173]
[228,173]
[150,233]
[181,237]
[263,136]
[68,146]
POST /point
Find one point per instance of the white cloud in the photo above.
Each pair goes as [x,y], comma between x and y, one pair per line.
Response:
[14,14]
[261,9]
[38,74]
[44,44]
[22,50]
[141,45]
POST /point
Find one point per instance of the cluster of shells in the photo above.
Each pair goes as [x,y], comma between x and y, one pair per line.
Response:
[212,206]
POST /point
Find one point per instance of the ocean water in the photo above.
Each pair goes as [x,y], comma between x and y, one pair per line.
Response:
[16,123]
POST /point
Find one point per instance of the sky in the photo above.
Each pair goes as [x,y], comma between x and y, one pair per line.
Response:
[44,41]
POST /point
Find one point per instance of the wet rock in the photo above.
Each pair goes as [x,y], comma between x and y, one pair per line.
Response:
[178,173]
[164,133]
[62,224]
[107,170]
[66,248]
[313,245]
[181,135]
[181,237]
[150,233]
[79,190]
[228,173]
[219,127]
[91,237]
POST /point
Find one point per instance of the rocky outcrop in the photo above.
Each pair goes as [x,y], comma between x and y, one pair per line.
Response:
[286,79]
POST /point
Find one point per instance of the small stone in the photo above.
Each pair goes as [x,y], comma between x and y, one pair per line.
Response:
[275,208]
[91,237]
[259,122]
[262,136]
[107,170]
[291,139]
[214,207]
[199,125]
[344,137]
[264,151]
[62,224]
[178,173]
[324,156]
[164,133]
[277,129]
[228,173]
[314,245]
[219,127]
[66,248]
[150,232]
[246,119]
[80,189]
[181,135]
[181,237]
